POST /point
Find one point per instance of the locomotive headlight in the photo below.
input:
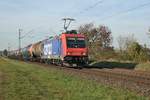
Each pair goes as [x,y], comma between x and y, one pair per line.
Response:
[83,53]
[68,53]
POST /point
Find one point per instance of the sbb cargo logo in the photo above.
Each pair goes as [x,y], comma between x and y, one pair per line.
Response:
[48,49]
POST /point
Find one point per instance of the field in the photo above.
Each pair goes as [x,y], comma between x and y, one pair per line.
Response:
[23,81]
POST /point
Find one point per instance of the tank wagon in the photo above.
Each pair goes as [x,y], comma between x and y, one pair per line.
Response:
[36,51]
[25,52]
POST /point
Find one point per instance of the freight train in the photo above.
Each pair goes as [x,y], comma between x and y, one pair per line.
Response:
[69,47]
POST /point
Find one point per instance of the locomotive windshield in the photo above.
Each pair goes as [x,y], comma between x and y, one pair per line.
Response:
[75,42]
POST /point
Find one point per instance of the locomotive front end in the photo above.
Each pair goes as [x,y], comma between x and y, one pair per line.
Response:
[74,48]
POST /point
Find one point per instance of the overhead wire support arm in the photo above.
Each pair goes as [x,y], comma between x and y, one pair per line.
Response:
[27,34]
[21,37]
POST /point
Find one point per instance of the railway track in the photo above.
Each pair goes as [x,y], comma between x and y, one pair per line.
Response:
[138,77]
[135,81]
[138,81]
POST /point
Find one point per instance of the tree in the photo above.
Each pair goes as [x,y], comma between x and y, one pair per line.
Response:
[134,50]
[99,36]
[104,36]
[124,42]
[5,52]
[86,30]
[121,43]
[1,52]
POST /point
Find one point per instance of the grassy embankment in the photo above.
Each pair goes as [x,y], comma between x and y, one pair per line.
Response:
[22,81]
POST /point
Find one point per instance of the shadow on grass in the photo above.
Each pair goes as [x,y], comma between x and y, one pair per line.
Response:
[111,65]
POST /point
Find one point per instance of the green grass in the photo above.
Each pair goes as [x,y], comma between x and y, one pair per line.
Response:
[143,66]
[22,81]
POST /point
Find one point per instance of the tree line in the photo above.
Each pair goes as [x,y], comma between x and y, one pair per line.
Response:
[99,42]
[4,52]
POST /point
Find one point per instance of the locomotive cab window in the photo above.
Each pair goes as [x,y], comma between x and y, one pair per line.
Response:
[75,42]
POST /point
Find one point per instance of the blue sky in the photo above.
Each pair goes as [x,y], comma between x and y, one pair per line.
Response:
[43,18]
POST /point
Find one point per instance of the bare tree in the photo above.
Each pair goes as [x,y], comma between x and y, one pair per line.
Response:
[124,42]
[121,43]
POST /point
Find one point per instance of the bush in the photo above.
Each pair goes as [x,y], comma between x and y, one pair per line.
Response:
[136,52]
[143,66]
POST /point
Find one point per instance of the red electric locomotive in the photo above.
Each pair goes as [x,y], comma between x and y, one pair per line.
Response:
[74,49]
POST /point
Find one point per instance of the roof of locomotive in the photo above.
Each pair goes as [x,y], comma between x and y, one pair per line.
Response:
[73,35]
